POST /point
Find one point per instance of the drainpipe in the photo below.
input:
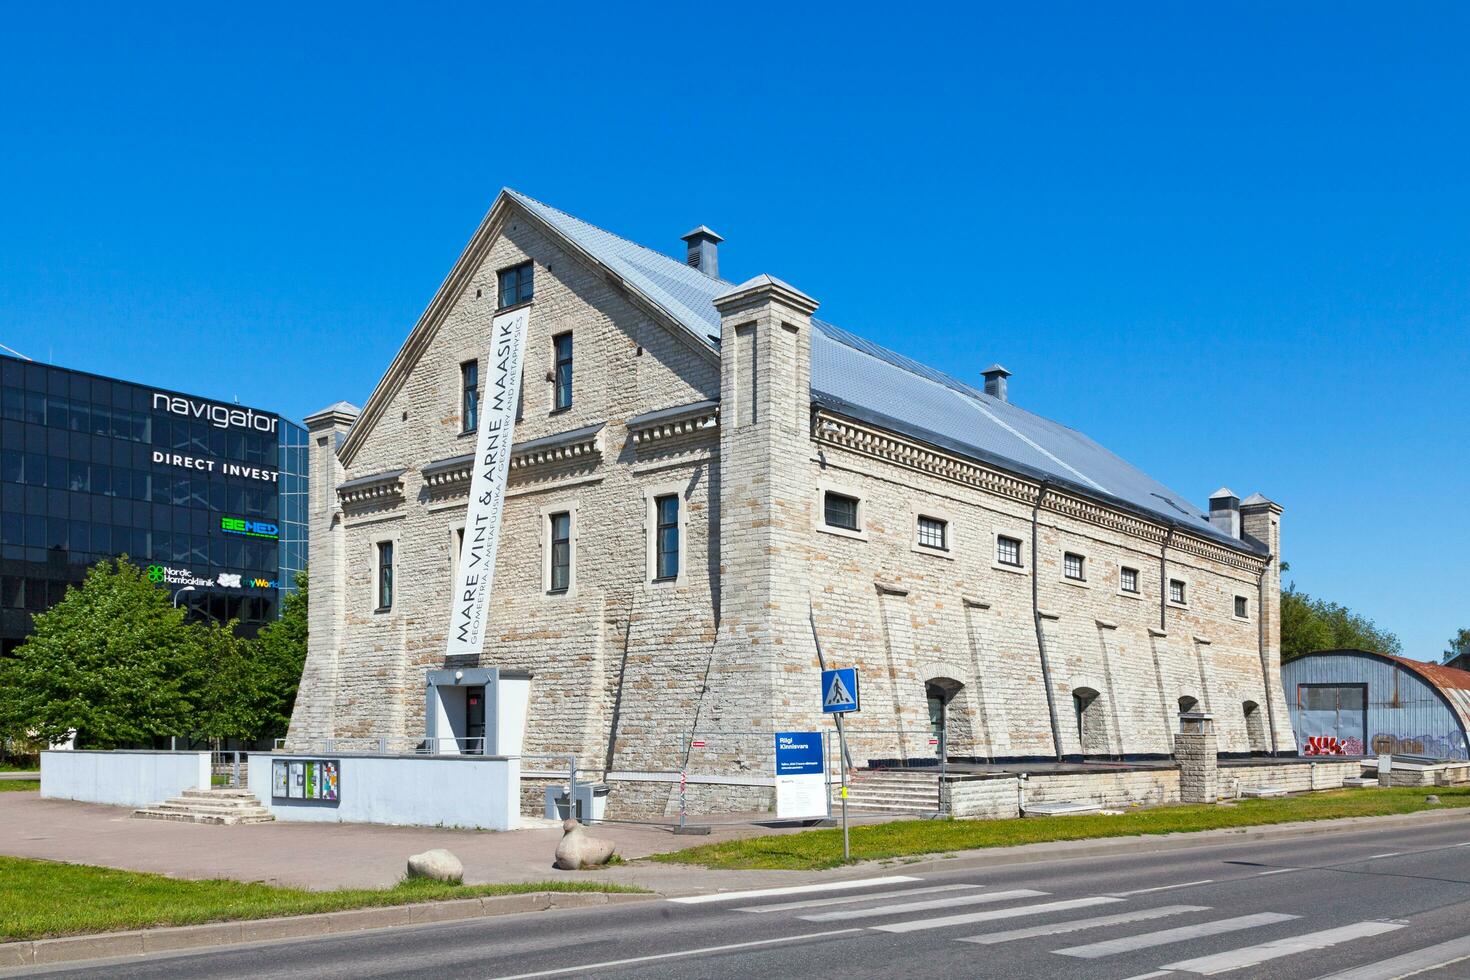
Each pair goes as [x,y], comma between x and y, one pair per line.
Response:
[1261,646]
[1164,579]
[1051,701]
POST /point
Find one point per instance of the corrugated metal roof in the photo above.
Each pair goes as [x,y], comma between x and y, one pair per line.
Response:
[856,376]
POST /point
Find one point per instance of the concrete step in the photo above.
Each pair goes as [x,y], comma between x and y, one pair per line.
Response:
[1263,792]
[219,793]
[868,806]
[191,806]
[179,816]
[1361,781]
[1062,808]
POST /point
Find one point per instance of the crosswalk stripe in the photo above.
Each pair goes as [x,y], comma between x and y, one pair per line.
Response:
[925,906]
[1235,959]
[990,915]
[1418,961]
[829,886]
[1144,940]
[1077,925]
[812,903]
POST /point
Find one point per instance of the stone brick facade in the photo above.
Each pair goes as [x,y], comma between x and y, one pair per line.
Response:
[1033,665]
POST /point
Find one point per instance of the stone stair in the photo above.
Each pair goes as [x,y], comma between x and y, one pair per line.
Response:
[221,806]
[907,791]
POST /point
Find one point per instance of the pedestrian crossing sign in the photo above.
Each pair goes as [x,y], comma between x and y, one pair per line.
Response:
[840,690]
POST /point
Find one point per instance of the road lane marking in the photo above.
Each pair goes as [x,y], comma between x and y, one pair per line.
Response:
[1375,857]
[1151,976]
[830,886]
[1127,944]
[1278,871]
[1418,961]
[902,908]
[1077,925]
[1236,959]
[1015,912]
[1162,888]
[846,899]
[585,967]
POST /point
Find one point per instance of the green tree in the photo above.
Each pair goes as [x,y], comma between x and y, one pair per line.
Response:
[113,661]
[1459,645]
[279,654]
[1309,624]
[228,684]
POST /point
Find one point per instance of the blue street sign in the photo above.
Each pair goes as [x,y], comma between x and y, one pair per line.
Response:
[798,753]
[840,690]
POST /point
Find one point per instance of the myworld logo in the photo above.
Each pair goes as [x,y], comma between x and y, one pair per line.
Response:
[219,416]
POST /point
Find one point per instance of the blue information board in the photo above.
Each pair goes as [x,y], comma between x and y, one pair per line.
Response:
[840,690]
[798,753]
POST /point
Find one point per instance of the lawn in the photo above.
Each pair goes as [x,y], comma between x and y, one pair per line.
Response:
[44,898]
[20,785]
[816,849]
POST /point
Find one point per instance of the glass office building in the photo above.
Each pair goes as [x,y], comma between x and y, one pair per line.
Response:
[209,497]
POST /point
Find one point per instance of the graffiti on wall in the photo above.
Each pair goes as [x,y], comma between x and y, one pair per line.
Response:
[1432,746]
[1332,745]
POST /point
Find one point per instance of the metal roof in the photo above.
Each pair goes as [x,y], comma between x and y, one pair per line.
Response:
[1451,684]
[856,376]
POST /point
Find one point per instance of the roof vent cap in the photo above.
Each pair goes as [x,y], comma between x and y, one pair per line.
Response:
[995,381]
[704,253]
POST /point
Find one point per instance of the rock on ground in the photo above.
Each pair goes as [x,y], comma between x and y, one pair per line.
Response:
[579,849]
[438,864]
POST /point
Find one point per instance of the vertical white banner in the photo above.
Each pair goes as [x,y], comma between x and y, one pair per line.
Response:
[475,572]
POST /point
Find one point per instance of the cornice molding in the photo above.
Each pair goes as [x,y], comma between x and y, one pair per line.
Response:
[378,490]
[578,447]
[889,447]
[673,423]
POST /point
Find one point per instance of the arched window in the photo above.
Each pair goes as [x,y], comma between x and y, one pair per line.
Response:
[1255,729]
[1092,727]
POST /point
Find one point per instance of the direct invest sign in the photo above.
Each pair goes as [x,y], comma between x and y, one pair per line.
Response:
[476,570]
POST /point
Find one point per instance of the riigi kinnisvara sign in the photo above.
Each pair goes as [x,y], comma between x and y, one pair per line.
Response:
[476,570]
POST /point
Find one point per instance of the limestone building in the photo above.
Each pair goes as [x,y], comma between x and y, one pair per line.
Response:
[712,492]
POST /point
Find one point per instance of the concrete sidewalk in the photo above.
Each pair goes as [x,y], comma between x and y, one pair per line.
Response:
[326,856]
[21,775]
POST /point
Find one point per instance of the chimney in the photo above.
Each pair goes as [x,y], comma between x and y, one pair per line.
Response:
[1225,511]
[995,381]
[704,251]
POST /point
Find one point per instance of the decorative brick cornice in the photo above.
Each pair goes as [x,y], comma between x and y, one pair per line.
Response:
[377,490]
[890,447]
[673,422]
[581,448]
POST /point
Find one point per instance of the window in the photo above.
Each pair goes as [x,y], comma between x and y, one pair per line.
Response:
[385,575]
[840,510]
[1242,606]
[1176,591]
[933,533]
[1008,551]
[515,285]
[561,395]
[469,396]
[1072,566]
[561,551]
[666,537]
[1128,580]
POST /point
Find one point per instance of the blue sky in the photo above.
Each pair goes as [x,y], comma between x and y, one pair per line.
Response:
[1231,243]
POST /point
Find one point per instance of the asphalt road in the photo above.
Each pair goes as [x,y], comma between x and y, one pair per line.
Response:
[1354,906]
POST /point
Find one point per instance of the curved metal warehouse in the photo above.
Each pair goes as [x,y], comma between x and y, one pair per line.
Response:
[1354,702]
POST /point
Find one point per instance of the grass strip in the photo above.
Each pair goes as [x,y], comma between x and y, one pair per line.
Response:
[39,899]
[20,785]
[816,849]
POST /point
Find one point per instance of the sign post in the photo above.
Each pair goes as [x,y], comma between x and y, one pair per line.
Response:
[839,696]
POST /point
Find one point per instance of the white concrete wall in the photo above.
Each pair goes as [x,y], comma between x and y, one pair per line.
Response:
[420,790]
[121,778]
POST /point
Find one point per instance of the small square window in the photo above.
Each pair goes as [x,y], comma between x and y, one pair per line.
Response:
[515,285]
[840,510]
[1072,566]
[1242,606]
[1176,591]
[1128,580]
[1008,551]
[934,533]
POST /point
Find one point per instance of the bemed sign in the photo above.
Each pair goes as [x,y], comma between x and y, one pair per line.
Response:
[475,572]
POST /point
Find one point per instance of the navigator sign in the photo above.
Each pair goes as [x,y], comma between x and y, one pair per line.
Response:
[219,416]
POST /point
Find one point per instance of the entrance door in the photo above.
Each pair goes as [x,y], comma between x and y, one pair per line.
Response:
[474,720]
[937,699]
[1332,719]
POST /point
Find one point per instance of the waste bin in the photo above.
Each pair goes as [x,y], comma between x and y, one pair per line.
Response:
[590,804]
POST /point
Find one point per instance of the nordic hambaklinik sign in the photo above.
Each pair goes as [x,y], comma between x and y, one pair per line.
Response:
[476,570]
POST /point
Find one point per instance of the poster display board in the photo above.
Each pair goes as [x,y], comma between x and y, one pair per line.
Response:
[801,784]
[306,779]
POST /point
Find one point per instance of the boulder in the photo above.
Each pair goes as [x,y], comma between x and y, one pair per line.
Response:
[579,849]
[438,864]
[1431,798]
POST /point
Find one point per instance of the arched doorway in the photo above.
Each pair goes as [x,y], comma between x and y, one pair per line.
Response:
[1092,724]
[940,693]
[1255,729]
